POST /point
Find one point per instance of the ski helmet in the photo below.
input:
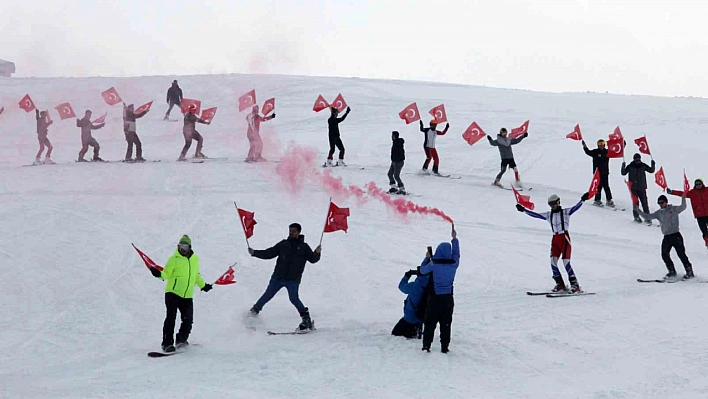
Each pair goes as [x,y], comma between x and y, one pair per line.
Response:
[553,199]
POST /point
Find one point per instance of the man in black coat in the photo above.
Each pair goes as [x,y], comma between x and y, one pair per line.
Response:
[601,162]
[292,253]
[398,157]
[637,171]
[174,97]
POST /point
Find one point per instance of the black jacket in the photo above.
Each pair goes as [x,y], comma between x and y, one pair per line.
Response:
[174,94]
[637,173]
[334,122]
[599,160]
[292,255]
[398,153]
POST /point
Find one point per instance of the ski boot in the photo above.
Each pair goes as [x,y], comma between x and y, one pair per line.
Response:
[139,159]
[37,162]
[610,204]
[129,160]
[426,349]
[518,185]
[81,160]
[648,222]
[307,323]
[254,310]
[182,158]
[671,275]
[48,161]
[424,171]
[638,219]
[560,284]
[689,273]
[181,345]
[200,155]
[598,203]
[574,286]
[393,189]
[340,163]
[401,190]
[168,348]
[328,164]
[98,159]
[497,183]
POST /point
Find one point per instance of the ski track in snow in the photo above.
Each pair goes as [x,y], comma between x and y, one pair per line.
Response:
[81,310]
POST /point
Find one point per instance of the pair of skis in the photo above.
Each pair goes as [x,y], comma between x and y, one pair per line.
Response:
[558,294]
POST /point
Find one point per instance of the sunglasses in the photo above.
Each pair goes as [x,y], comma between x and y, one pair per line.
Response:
[184,247]
[662,202]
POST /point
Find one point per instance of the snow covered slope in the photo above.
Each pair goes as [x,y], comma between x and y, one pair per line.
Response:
[80,310]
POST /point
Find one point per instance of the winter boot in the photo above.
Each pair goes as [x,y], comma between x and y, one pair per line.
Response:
[496,183]
[574,286]
[81,160]
[426,349]
[182,158]
[98,159]
[689,272]
[598,203]
[254,310]
[638,219]
[199,155]
[48,161]
[168,348]
[306,323]
[435,170]
[181,345]
[560,284]
[671,275]
[610,203]
[393,189]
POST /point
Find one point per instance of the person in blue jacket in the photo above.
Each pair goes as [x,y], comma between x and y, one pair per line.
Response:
[410,325]
[441,269]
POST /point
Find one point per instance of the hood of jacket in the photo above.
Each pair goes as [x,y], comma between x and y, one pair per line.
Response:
[443,253]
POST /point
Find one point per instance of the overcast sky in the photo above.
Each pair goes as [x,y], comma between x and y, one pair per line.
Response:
[620,46]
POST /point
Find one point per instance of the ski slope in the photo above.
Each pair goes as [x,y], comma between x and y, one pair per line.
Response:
[80,310]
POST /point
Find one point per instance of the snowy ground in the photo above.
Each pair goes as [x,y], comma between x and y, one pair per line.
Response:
[81,311]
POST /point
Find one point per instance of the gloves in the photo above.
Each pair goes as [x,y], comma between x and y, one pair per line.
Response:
[207,287]
[349,109]
[526,134]
[520,208]
[668,191]
[155,272]
[585,197]
[489,138]
[409,273]
[273,116]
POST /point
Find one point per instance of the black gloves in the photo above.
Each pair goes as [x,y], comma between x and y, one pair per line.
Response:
[526,134]
[668,190]
[585,197]
[155,272]
[349,109]
[273,116]
[411,273]
[207,287]
[489,138]
[520,208]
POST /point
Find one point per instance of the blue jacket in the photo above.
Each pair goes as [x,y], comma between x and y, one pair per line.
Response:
[415,290]
[443,267]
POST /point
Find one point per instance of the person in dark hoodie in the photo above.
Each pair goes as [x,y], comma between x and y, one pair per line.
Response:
[441,268]
[335,139]
[292,253]
[398,157]
[601,162]
[411,324]
[43,123]
[174,97]
[86,137]
[637,171]
[189,131]
[507,155]
[131,135]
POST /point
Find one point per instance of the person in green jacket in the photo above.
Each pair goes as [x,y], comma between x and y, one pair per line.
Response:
[182,274]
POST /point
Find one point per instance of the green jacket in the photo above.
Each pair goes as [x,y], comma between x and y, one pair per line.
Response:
[182,274]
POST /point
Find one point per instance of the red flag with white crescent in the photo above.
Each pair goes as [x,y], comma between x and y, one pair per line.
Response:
[336,219]
[617,134]
[660,178]
[643,145]
[100,120]
[247,221]
[247,100]
[65,111]
[439,114]
[473,134]
[143,108]
[191,105]
[27,104]
[226,278]
[575,134]
[146,259]
[523,200]
[520,131]
[410,114]
[111,96]
[339,103]
[594,184]
[615,147]
[208,114]
[268,106]
[320,104]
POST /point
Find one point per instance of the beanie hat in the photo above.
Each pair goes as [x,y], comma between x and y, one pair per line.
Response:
[637,156]
[699,180]
[662,197]
[185,240]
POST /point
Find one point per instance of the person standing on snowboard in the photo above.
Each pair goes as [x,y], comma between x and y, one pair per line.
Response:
[561,247]
[131,135]
[182,274]
[334,138]
[398,157]
[507,155]
[637,171]
[699,202]
[292,253]
[431,153]
[668,216]
[174,97]
[411,324]
[87,138]
[601,162]
[254,120]
[190,133]
[43,124]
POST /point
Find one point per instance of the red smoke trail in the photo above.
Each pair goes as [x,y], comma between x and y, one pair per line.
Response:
[403,206]
[296,166]
[335,187]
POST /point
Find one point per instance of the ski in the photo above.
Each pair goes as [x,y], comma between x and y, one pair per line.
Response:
[161,354]
[290,333]
[543,293]
[561,295]
[146,161]
[663,281]
[610,208]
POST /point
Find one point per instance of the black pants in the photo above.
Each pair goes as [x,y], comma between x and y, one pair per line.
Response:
[172,104]
[394,172]
[674,241]
[604,185]
[703,225]
[174,302]
[504,163]
[641,194]
[439,310]
[335,141]
[132,138]
[85,145]
[188,137]
[406,329]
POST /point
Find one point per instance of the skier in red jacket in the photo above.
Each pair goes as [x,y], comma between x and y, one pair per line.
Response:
[699,202]
[254,120]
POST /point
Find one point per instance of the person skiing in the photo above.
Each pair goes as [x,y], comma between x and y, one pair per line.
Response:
[637,171]
[254,120]
[43,123]
[441,268]
[86,137]
[182,274]
[414,306]
[431,153]
[398,157]
[190,133]
[561,246]
[699,202]
[601,162]
[174,97]
[507,155]
[668,216]
[292,253]
[334,137]
[131,135]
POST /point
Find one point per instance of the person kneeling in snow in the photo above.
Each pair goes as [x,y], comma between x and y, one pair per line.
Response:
[410,325]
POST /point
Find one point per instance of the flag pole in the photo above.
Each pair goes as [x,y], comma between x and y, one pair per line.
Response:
[242,225]
[650,155]
[326,219]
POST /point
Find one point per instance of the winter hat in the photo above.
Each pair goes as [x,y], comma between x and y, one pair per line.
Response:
[699,180]
[661,198]
[637,156]
[553,199]
[185,240]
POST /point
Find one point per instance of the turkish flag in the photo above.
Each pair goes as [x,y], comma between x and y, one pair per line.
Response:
[575,134]
[617,134]
[146,259]
[635,200]
[247,101]
[643,145]
[226,278]
[439,113]
[320,104]
[523,200]
[268,106]
[473,134]
[27,104]
[208,114]
[143,108]
[187,103]
[111,96]
[100,120]
[519,131]
[65,111]
[660,178]
[686,184]
[336,219]
[594,184]
[247,222]
[339,103]
[615,147]
[410,114]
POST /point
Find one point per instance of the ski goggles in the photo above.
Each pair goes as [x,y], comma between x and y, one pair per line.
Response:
[184,247]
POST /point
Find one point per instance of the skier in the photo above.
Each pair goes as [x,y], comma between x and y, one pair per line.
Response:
[398,157]
[411,324]
[561,246]
[668,216]
[601,162]
[254,120]
[334,138]
[86,137]
[441,268]
[182,274]
[174,97]
[190,133]
[637,175]
[131,135]
[292,253]
[507,155]
[431,153]
[43,124]
[699,202]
